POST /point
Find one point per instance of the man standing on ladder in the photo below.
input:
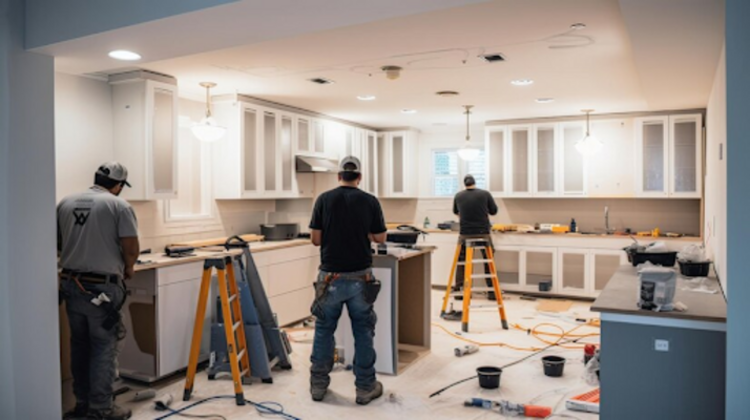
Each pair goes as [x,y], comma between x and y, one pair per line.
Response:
[97,238]
[473,206]
[345,221]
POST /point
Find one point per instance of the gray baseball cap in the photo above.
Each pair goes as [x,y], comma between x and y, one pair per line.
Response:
[114,171]
[352,161]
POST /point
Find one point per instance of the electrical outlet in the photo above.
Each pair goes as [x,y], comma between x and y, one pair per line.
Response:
[661,345]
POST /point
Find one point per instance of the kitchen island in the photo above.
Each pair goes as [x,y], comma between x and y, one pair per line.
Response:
[402,333]
[661,365]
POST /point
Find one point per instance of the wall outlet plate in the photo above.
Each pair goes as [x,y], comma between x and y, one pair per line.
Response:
[661,345]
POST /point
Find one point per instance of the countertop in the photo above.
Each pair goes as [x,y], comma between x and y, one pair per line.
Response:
[579,235]
[159,260]
[404,253]
[620,294]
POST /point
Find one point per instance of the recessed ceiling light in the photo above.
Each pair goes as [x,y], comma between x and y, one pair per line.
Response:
[321,81]
[366,97]
[408,111]
[124,55]
[545,100]
[578,26]
[522,82]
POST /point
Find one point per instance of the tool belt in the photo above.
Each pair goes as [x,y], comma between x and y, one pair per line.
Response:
[371,289]
[89,277]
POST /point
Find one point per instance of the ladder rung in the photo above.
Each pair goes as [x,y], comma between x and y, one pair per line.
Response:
[474,261]
[236,325]
[483,276]
[475,290]
[241,354]
[244,372]
[232,298]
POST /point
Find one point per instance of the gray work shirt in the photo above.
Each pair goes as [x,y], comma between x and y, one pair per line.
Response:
[89,228]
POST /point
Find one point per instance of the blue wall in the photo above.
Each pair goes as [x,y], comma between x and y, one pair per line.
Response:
[738,207]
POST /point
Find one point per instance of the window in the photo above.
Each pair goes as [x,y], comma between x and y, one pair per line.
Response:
[449,171]
[194,183]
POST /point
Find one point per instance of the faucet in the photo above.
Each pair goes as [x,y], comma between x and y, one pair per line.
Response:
[607,230]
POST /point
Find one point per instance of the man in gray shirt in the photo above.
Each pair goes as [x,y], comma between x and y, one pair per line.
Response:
[97,238]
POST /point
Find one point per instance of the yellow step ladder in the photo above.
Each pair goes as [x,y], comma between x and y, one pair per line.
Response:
[469,276]
[234,326]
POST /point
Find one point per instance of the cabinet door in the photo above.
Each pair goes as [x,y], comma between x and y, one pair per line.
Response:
[270,131]
[508,265]
[573,278]
[604,263]
[573,163]
[371,175]
[163,133]
[652,156]
[686,157]
[545,157]
[287,156]
[319,136]
[303,135]
[540,265]
[398,159]
[496,145]
[520,160]
[251,162]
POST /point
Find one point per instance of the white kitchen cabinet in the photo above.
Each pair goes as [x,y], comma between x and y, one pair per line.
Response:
[398,164]
[652,156]
[256,158]
[545,150]
[540,264]
[508,262]
[521,160]
[572,162]
[685,155]
[370,163]
[442,258]
[319,136]
[145,111]
[497,145]
[603,264]
[573,271]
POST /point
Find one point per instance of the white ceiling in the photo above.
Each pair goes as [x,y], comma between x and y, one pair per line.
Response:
[630,59]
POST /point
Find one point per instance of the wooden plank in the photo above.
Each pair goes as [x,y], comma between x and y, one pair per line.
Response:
[251,237]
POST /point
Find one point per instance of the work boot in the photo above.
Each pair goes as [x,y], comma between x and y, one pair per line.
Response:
[114,413]
[80,412]
[318,392]
[453,315]
[364,397]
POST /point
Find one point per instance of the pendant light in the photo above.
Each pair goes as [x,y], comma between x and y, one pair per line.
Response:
[208,129]
[467,152]
[588,145]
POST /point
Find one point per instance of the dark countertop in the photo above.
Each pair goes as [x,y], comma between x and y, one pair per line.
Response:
[620,294]
[403,253]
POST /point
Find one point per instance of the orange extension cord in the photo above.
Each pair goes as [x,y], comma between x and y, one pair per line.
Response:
[534,331]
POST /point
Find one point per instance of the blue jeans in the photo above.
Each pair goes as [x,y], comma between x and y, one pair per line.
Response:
[349,290]
[93,349]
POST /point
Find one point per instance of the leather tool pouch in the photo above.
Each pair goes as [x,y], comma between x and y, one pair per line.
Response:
[372,289]
[321,289]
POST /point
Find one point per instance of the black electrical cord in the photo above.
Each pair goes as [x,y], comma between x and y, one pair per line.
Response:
[262,408]
[436,393]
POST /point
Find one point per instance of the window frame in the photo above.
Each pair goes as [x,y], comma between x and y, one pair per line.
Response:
[463,170]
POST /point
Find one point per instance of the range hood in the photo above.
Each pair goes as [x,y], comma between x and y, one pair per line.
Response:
[307,164]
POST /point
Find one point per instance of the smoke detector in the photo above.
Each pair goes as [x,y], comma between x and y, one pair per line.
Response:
[391,72]
[447,93]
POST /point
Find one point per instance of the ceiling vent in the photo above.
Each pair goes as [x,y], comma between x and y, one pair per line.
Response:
[321,81]
[492,58]
[447,93]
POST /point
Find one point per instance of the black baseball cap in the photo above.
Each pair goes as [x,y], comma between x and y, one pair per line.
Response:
[469,180]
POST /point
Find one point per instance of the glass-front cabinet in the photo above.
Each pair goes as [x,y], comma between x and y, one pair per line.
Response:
[521,160]
[545,160]
[652,156]
[685,157]
[573,170]
[496,147]
[398,168]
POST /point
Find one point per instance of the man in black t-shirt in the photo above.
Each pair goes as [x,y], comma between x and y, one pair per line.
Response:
[345,221]
[473,206]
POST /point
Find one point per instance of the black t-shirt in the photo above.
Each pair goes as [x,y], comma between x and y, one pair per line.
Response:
[473,206]
[346,216]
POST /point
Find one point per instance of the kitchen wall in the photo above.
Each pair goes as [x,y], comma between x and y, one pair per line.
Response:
[681,216]
[716,173]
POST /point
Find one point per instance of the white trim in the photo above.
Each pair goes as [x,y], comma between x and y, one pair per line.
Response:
[657,321]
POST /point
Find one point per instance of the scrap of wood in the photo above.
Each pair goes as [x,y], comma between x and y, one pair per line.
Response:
[549,305]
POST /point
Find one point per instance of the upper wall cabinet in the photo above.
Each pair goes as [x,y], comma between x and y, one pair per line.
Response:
[521,160]
[496,147]
[546,160]
[398,169]
[145,107]
[669,156]
[256,157]
[310,136]
[362,144]
[572,162]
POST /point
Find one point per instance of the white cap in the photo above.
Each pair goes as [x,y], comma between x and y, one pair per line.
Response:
[350,160]
[114,171]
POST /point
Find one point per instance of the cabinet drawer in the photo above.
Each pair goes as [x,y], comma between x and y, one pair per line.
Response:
[291,254]
[294,306]
[179,273]
[290,276]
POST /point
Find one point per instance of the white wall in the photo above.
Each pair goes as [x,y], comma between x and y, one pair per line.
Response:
[29,334]
[715,202]
[83,131]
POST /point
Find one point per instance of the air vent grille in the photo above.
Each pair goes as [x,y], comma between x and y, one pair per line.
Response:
[492,58]
[321,81]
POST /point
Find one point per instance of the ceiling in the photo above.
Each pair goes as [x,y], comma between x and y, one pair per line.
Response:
[639,56]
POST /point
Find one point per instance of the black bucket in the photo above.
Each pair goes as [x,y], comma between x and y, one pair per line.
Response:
[545,285]
[489,376]
[553,366]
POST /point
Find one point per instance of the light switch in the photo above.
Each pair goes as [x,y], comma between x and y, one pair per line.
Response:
[661,345]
